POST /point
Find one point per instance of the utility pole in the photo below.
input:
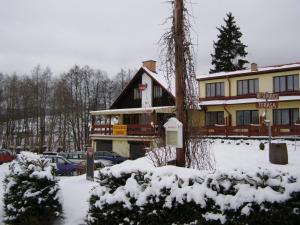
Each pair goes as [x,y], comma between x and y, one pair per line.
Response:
[180,81]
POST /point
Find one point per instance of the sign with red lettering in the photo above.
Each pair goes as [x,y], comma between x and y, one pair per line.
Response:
[267,105]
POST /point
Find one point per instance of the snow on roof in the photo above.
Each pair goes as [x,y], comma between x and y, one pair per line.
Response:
[162,79]
[244,101]
[248,71]
[160,109]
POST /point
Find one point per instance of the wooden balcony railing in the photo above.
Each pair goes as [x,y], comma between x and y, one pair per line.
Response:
[251,130]
[132,129]
[220,130]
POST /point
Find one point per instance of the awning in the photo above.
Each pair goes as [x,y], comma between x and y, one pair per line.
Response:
[161,109]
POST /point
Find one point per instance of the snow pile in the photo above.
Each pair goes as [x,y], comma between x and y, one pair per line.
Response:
[153,192]
[31,192]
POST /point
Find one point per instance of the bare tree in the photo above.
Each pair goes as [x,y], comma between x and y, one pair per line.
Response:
[178,59]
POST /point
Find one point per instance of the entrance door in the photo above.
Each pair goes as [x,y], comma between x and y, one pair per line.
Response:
[104,145]
[137,149]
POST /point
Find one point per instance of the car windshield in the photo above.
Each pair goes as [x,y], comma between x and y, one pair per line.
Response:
[63,160]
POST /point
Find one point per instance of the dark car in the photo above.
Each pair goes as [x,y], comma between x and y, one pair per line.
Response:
[6,156]
[111,156]
[76,156]
[64,166]
[80,157]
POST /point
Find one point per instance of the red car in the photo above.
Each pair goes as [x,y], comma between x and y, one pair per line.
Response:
[6,156]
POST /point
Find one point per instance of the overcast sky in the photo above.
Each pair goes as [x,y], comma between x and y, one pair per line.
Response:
[115,34]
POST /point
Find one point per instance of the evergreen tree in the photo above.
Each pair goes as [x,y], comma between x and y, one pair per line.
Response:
[230,52]
[31,194]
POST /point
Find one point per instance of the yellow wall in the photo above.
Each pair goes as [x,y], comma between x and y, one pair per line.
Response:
[265,82]
[194,118]
[233,108]
[121,147]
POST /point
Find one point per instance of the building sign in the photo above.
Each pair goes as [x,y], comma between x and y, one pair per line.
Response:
[119,129]
[267,105]
[267,96]
[171,138]
[142,87]
[174,135]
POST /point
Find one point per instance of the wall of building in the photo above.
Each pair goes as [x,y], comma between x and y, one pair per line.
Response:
[265,82]
[121,147]
[147,93]
[233,108]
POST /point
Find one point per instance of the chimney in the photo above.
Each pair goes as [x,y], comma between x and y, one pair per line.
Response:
[254,67]
[150,65]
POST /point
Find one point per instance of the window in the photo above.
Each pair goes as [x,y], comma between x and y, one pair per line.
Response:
[157,92]
[245,87]
[215,89]
[246,117]
[212,118]
[286,83]
[285,116]
[137,94]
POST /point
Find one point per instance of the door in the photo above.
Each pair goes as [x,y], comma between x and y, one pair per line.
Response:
[104,145]
[137,149]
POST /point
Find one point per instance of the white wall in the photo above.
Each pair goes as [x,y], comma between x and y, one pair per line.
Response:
[147,93]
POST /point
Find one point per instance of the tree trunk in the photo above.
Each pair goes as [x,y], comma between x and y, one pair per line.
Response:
[179,72]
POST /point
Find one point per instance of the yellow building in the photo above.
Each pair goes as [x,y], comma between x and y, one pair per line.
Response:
[230,104]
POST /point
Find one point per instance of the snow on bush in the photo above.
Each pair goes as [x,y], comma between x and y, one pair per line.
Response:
[198,156]
[166,196]
[31,192]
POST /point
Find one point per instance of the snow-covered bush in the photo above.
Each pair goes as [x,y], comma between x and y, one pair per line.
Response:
[198,155]
[162,196]
[31,192]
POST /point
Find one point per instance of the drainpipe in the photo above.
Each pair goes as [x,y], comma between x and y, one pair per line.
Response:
[229,119]
[229,86]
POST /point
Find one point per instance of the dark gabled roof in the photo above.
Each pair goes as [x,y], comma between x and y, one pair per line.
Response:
[168,86]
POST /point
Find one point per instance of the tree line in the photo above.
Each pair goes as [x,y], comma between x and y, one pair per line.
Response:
[40,111]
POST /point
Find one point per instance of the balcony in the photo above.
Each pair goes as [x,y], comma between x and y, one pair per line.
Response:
[129,130]
[249,131]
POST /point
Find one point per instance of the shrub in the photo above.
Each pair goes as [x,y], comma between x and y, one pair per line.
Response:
[151,198]
[262,146]
[31,192]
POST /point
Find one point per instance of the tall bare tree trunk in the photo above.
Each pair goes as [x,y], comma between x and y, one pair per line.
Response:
[179,72]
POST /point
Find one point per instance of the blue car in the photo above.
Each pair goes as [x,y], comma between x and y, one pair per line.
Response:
[64,166]
[110,156]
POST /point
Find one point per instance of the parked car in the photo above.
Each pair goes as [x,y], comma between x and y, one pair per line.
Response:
[6,156]
[50,153]
[111,156]
[77,156]
[65,166]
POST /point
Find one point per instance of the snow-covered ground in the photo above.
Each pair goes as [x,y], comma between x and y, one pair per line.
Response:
[229,155]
